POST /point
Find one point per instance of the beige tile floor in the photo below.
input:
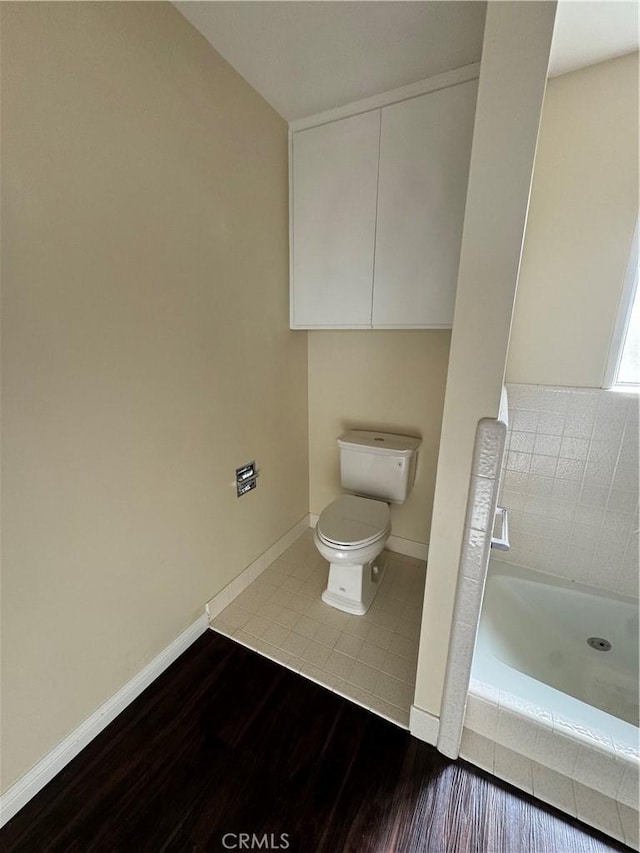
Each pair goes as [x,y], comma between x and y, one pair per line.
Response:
[368,659]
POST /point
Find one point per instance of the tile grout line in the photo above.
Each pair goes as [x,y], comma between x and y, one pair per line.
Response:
[281,616]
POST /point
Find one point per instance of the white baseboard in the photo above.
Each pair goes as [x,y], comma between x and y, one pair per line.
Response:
[407,547]
[424,725]
[248,575]
[28,786]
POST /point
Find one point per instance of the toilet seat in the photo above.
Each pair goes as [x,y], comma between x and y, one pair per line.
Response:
[352,522]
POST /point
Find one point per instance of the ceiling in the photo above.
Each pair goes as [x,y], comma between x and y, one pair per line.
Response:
[586,33]
[306,57]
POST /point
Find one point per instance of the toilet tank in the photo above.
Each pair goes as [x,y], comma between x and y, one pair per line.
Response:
[378,464]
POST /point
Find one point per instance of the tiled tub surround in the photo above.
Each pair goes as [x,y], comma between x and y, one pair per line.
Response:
[607,814]
[533,750]
[369,659]
[570,483]
[534,735]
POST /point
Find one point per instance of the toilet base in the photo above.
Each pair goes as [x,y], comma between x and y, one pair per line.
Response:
[352,588]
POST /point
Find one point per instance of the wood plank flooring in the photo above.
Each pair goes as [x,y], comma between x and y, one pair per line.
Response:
[226,741]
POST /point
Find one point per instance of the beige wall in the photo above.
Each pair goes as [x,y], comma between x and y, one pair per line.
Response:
[146,350]
[391,381]
[584,204]
[517,40]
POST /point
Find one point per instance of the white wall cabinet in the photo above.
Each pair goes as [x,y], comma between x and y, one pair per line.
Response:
[425,147]
[335,176]
[377,208]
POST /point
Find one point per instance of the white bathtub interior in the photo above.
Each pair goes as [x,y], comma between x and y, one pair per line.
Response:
[564,712]
[533,639]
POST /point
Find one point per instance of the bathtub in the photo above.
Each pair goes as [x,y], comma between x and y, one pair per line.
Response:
[554,690]
[533,643]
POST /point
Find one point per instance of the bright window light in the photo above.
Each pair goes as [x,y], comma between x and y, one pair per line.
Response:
[629,369]
[623,365]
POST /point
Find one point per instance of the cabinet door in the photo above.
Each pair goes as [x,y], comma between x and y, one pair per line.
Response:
[335,175]
[425,147]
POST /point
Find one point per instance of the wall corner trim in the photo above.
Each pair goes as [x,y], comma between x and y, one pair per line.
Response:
[424,725]
[43,772]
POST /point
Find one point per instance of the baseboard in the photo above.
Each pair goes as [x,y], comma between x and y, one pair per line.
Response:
[28,786]
[248,575]
[424,725]
[407,547]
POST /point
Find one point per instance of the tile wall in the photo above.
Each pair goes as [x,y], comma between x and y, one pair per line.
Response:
[583,773]
[570,483]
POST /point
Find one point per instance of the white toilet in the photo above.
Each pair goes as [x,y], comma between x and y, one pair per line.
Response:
[377,468]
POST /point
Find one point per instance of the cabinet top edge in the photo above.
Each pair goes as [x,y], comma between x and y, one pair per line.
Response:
[422,87]
[371,327]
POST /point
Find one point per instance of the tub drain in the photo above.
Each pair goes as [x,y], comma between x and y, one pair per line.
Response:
[599,643]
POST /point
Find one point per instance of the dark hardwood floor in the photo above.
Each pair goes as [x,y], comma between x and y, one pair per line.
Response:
[226,742]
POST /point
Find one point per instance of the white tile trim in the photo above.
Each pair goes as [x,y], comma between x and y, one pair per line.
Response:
[217,604]
[554,742]
[472,572]
[423,725]
[28,786]
[396,544]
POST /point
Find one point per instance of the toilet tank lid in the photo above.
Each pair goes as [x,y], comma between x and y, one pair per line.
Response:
[379,442]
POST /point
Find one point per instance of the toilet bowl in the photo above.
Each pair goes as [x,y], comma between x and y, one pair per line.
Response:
[376,469]
[351,533]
